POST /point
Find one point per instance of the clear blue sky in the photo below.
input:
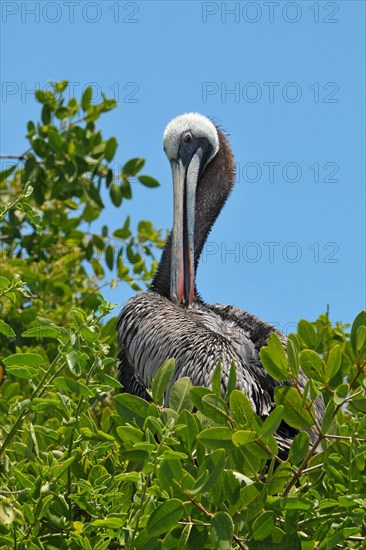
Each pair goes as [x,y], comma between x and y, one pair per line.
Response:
[295,115]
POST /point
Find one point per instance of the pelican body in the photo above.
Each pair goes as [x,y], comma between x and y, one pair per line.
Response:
[171,319]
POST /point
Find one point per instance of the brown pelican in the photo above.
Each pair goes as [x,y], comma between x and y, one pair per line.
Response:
[170,319]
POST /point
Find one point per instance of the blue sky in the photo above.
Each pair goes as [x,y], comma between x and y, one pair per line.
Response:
[285,79]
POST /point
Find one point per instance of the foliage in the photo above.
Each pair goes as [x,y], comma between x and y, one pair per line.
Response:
[85,466]
[50,199]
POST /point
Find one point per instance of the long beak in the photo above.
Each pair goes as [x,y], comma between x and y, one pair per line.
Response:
[182,261]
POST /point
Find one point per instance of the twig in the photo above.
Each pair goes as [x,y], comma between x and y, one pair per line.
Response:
[210,515]
[344,437]
[312,468]
[321,436]
[302,466]
[18,157]
[198,523]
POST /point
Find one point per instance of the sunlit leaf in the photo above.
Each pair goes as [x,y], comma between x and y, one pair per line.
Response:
[162,379]
[274,358]
[222,531]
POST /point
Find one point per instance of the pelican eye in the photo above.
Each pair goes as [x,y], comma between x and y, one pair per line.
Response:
[187,138]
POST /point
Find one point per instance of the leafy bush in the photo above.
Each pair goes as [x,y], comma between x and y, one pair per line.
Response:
[84,466]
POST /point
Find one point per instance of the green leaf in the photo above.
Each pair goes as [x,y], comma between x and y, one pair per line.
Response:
[116,197]
[292,350]
[144,541]
[24,360]
[179,397]
[242,437]
[4,282]
[197,393]
[61,86]
[124,232]
[164,517]
[110,149]
[6,329]
[334,362]
[61,113]
[312,365]
[40,147]
[133,166]
[295,413]
[45,96]
[272,423]
[128,433]
[46,114]
[299,447]
[217,438]
[71,385]
[90,334]
[187,429]
[24,480]
[342,392]
[108,523]
[242,410]
[126,188]
[184,537]
[214,465]
[86,98]
[169,470]
[307,333]
[263,525]
[148,181]
[274,358]
[28,514]
[216,380]
[277,481]
[359,321]
[46,504]
[46,331]
[232,380]
[70,171]
[33,218]
[4,174]
[109,256]
[94,194]
[133,477]
[58,469]
[131,408]
[222,531]
[214,407]
[55,141]
[328,418]
[298,503]
[133,455]
[26,373]
[162,379]
[360,337]
[199,484]
[231,486]
[48,433]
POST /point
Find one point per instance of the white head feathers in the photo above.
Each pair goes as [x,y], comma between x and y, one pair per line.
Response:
[198,125]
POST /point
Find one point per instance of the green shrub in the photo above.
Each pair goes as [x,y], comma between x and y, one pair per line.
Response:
[84,466]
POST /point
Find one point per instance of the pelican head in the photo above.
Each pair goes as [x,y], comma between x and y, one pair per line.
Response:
[190,142]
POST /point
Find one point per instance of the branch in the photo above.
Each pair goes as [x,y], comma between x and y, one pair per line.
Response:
[18,157]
